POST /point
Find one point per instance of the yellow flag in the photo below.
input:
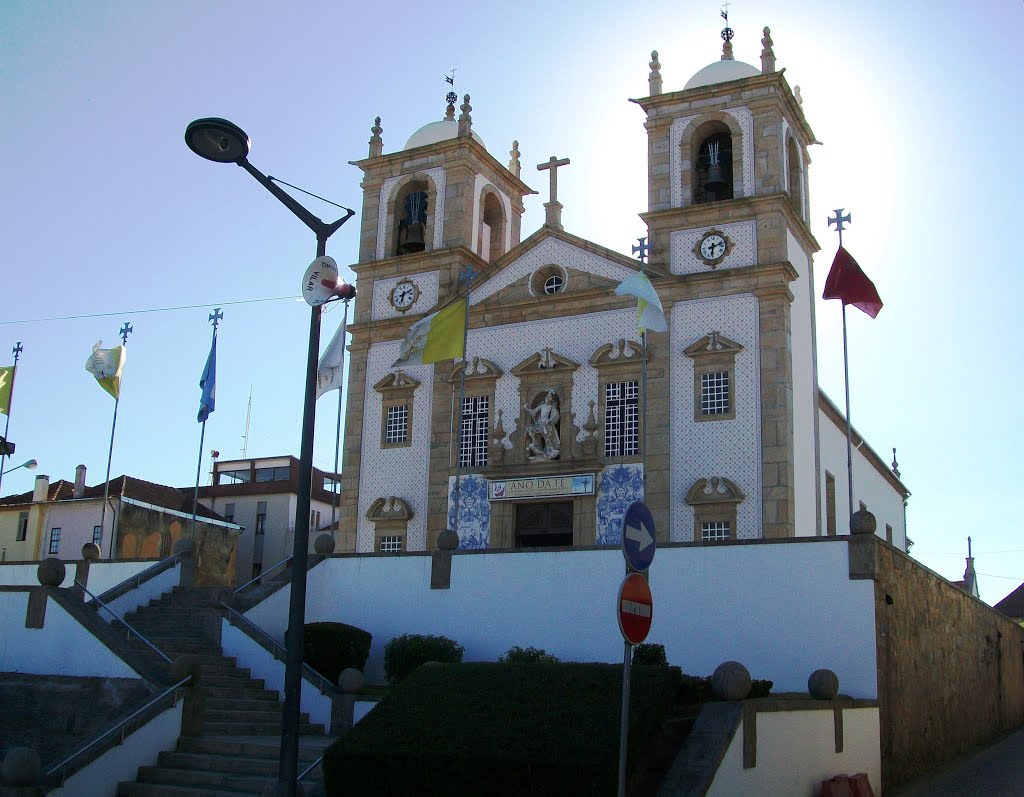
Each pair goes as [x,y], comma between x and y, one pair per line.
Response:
[6,385]
[106,365]
[439,336]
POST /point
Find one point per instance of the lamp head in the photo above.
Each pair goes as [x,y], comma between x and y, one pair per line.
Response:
[32,464]
[217,140]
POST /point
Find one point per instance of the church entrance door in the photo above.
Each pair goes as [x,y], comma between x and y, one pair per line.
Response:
[544,525]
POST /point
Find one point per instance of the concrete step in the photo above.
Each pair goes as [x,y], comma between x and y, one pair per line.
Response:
[225,781]
[222,763]
[217,693]
[241,703]
[163,790]
[258,728]
[233,681]
[269,713]
[310,747]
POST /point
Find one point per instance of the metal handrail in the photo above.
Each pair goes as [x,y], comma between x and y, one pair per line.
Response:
[124,622]
[138,578]
[310,768]
[263,574]
[280,652]
[119,726]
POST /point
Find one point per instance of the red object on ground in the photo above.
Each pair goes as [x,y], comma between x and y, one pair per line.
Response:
[847,786]
[846,281]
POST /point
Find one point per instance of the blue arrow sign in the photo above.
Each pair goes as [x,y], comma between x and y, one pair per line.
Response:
[638,537]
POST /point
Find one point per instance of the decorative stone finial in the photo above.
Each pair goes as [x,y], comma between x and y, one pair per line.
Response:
[654,79]
[895,464]
[514,165]
[823,685]
[799,97]
[22,769]
[51,572]
[727,51]
[447,540]
[863,522]
[324,544]
[767,54]
[449,112]
[730,681]
[376,142]
[465,120]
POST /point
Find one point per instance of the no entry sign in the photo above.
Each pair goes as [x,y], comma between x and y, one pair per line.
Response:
[636,608]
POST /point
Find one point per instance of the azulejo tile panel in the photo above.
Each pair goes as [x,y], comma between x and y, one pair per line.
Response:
[439,178]
[474,521]
[426,281]
[620,485]
[683,259]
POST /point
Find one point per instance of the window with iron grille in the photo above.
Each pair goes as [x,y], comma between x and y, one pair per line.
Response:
[714,393]
[97,535]
[391,543]
[716,530]
[621,426]
[54,540]
[396,426]
[473,442]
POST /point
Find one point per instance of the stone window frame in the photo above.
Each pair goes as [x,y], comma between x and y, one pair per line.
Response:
[714,500]
[700,129]
[543,371]
[713,353]
[396,389]
[620,361]
[398,191]
[539,278]
[481,377]
[498,236]
[390,518]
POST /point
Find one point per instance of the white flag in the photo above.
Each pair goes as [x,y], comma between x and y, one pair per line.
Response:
[328,374]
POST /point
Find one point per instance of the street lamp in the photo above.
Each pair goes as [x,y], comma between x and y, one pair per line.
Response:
[29,464]
[221,141]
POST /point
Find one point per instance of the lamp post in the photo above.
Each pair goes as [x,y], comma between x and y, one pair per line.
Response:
[29,464]
[221,141]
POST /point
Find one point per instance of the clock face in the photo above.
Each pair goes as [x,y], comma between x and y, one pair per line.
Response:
[404,294]
[713,247]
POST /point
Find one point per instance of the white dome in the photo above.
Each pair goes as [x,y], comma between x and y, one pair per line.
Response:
[442,130]
[721,72]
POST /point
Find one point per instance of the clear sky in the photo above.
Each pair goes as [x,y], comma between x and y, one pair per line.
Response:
[104,210]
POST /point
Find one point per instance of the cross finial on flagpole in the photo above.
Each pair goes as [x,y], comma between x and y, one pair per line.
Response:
[215,317]
[17,350]
[467,274]
[641,250]
[125,331]
[838,221]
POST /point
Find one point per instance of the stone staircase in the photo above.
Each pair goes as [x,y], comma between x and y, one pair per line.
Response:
[238,750]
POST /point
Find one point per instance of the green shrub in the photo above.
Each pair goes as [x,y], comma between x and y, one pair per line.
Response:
[650,653]
[330,648]
[405,653]
[518,655]
[760,688]
[693,689]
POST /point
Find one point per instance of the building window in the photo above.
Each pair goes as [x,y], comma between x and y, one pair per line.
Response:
[714,377]
[714,168]
[396,424]
[553,284]
[22,526]
[548,280]
[830,504]
[279,474]
[621,418]
[391,543]
[473,442]
[54,540]
[491,243]
[716,530]
[97,535]
[411,221]
[314,519]
[888,533]
[257,568]
[229,513]
[261,517]
[234,476]
[794,176]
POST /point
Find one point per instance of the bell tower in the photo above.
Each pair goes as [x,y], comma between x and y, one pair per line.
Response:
[727,213]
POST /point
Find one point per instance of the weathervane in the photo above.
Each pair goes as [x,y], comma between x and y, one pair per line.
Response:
[641,250]
[124,332]
[727,32]
[838,222]
[451,97]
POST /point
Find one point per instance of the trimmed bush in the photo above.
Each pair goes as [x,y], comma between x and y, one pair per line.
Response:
[518,655]
[695,689]
[330,648]
[760,688]
[405,653]
[651,654]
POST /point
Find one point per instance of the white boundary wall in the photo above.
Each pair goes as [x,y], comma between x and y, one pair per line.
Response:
[783,609]
[808,737]
[102,574]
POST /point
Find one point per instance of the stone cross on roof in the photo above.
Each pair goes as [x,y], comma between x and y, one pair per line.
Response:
[553,207]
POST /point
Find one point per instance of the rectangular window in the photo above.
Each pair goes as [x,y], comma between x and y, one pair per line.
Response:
[261,517]
[229,513]
[715,530]
[830,504]
[888,533]
[314,519]
[229,476]
[54,540]
[621,419]
[475,428]
[396,425]
[714,393]
[22,526]
[390,544]
[97,535]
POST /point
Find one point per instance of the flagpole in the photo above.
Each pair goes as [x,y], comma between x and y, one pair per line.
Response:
[125,331]
[839,220]
[215,317]
[337,436]
[17,350]
[468,274]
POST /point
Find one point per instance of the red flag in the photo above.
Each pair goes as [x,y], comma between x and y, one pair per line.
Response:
[847,282]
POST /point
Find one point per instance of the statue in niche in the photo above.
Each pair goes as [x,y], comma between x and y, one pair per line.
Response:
[542,441]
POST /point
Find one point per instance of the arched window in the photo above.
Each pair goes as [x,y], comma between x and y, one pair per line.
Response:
[712,161]
[491,240]
[794,175]
[410,214]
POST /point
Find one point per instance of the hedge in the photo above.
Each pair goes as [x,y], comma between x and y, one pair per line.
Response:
[518,655]
[330,648]
[405,653]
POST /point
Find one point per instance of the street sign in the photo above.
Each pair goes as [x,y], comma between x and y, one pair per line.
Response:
[636,608]
[638,539]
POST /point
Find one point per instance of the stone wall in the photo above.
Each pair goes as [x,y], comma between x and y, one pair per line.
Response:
[950,668]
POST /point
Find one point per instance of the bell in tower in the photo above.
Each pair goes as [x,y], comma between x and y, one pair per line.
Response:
[413,223]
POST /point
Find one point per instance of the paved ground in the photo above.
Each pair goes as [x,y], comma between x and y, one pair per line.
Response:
[996,771]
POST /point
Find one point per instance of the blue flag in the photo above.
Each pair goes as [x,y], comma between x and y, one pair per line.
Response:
[208,383]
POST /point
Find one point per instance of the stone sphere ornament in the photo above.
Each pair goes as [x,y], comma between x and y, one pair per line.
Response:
[51,572]
[823,684]
[188,664]
[22,767]
[351,680]
[90,552]
[863,522]
[730,681]
[447,540]
[324,544]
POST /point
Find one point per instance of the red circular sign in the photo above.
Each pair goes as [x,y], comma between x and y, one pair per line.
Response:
[636,608]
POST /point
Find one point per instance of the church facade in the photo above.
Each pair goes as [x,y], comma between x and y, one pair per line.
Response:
[566,417]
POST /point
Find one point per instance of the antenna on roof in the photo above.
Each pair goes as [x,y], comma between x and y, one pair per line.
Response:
[248,417]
